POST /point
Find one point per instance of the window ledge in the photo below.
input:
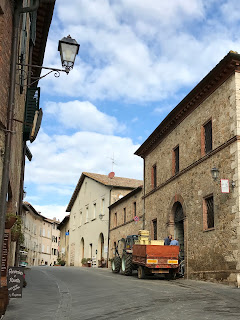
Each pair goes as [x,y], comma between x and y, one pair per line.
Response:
[210,229]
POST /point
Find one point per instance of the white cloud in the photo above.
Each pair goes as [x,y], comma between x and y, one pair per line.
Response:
[139,50]
[51,211]
[83,116]
[60,159]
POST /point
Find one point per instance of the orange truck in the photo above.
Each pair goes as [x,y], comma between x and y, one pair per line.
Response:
[152,259]
[137,252]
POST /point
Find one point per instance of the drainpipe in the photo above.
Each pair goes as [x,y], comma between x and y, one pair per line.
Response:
[11,103]
[144,223]
[110,202]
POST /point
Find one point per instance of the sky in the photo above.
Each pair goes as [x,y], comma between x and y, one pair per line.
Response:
[137,60]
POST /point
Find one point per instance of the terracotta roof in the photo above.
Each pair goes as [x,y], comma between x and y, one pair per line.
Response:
[52,220]
[28,206]
[220,73]
[117,182]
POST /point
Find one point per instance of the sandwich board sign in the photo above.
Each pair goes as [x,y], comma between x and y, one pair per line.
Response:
[15,282]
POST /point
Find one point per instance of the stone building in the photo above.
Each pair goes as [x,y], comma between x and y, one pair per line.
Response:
[89,215]
[64,239]
[125,216]
[41,238]
[180,196]
[24,27]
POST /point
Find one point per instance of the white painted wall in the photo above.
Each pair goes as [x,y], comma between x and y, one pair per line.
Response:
[93,199]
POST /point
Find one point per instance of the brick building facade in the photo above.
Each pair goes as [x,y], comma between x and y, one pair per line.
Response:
[24,27]
[122,214]
[180,195]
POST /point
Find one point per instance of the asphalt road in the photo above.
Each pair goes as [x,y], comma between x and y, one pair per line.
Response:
[88,294]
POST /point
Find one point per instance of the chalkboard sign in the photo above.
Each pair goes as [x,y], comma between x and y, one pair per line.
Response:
[15,282]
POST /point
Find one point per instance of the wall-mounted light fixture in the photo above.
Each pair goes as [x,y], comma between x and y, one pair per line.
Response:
[215,176]
[101,218]
[215,173]
[68,49]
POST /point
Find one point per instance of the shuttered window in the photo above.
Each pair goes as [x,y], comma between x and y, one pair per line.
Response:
[31,106]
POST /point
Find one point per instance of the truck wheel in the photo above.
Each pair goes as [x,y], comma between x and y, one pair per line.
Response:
[141,273]
[171,275]
[116,264]
[127,264]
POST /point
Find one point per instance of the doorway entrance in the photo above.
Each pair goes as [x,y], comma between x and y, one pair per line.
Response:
[179,227]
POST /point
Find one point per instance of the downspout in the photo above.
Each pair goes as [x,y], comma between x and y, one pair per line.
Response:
[144,191]
[11,103]
[110,202]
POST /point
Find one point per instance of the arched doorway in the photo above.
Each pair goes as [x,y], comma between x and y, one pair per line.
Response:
[179,226]
[81,250]
[101,247]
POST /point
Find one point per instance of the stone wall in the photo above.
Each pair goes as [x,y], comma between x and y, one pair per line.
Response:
[213,253]
[130,226]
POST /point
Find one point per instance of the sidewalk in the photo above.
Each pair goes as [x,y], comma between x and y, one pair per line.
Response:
[40,298]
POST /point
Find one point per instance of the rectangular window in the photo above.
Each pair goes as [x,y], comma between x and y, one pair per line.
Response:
[43,232]
[124,215]
[176,160]
[86,214]
[115,219]
[103,206]
[154,176]
[134,209]
[94,210]
[206,138]
[80,222]
[42,247]
[208,213]
[154,226]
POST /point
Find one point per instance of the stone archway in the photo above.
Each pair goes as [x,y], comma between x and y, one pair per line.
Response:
[177,220]
[179,227]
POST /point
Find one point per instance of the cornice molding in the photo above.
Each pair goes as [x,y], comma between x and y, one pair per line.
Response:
[213,80]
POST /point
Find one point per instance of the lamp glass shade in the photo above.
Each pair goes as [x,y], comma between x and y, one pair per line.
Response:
[68,48]
[215,173]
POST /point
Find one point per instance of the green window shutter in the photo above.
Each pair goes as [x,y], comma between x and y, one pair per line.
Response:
[31,106]
[33,17]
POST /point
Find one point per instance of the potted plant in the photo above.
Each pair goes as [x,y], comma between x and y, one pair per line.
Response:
[89,262]
[16,231]
[84,262]
[10,220]
[60,262]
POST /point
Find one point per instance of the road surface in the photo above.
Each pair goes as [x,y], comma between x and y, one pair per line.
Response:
[90,293]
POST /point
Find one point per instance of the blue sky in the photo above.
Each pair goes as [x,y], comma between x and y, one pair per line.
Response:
[137,61]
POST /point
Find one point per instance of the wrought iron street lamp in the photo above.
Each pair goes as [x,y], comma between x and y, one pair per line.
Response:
[68,48]
[215,173]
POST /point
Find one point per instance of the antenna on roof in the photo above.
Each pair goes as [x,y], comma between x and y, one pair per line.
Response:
[112,174]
